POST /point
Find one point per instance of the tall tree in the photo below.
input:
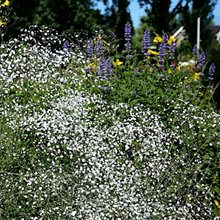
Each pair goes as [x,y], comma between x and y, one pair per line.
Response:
[22,15]
[66,14]
[191,11]
[159,15]
[117,15]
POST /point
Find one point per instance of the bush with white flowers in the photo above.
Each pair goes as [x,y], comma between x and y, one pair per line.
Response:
[66,153]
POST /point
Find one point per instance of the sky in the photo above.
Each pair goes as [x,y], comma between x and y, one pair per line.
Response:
[137,12]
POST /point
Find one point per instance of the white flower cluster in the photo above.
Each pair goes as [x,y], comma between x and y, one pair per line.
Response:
[39,58]
[127,169]
[71,155]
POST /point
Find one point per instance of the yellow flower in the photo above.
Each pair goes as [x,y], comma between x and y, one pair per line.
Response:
[170,71]
[99,37]
[2,23]
[217,203]
[93,66]
[196,76]
[178,67]
[158,39]
[171,40]
[152,52]
[151,70]
[6,3]
[201,94]
[117,62]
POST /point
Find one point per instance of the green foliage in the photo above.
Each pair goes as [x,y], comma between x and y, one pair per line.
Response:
[191,12]
[213,54]
[115,16]
[159,15]
[77,140]
[6,17]
[161,18]
[168,90]
[66,15]
[146,81]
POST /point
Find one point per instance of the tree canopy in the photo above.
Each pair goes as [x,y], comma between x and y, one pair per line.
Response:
[62,15]
[191,11]
[117,14]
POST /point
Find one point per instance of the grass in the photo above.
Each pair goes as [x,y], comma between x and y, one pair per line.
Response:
[81,141]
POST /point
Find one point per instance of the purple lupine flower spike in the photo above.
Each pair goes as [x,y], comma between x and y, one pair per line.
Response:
[109,67]
[162,53]
[48,48]
[202,60]
[195,50]
[127,36]
[90,48]
[165,38]
[66,46]
[211,72]
[127,31]
[98,48]
[172,49]
[146,41]
[101,67]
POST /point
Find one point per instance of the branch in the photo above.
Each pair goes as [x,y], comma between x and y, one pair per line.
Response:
[176,10]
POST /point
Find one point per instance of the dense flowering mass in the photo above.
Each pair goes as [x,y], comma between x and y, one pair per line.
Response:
[88,135]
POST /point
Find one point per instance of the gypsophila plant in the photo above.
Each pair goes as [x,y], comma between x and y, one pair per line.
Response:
[129,168]
[91,133]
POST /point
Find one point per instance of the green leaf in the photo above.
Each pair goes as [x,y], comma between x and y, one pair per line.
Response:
[217,189]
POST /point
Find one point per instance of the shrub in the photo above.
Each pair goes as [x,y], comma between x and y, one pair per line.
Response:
[89,135]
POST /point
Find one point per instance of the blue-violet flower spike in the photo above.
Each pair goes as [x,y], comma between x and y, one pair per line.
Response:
[211,71]
[146,41]
[127,31]
[195,50]
[202,60]
[90,48]
[98,48]
[172,49]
